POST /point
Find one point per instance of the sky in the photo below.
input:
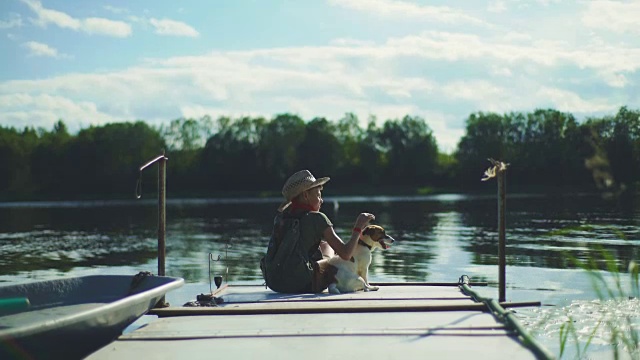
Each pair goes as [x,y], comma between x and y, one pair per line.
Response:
[94,62]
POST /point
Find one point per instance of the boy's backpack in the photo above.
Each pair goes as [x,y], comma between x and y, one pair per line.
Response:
[286,266]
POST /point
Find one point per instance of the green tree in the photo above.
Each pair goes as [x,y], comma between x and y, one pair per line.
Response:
[623,146]
[350,137]
[411,149]
[49,160]
[187,134]
[230,157]
[548,142]
[277,150]
[484,139]
[320,151]
[373,159]
[15,165]
[106,159]
[596,133]
[185,139]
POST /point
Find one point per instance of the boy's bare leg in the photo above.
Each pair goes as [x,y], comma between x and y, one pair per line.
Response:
[323,275]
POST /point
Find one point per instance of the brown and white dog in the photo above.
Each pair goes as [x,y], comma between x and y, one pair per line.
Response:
[352,274]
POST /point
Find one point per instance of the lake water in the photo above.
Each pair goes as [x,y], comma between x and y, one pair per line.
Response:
[439,238]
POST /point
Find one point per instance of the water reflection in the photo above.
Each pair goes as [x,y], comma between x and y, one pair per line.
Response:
[65,250]
[438,236]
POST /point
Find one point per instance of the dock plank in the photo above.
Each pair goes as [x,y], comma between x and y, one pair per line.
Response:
[323,347]
[395,322]
[260,294]
[317,324]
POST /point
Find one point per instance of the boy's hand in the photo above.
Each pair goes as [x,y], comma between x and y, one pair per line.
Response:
[363,220]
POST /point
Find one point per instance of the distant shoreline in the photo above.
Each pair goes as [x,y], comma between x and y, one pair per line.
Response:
[365,194]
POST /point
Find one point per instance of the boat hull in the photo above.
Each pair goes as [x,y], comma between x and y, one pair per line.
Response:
[70,318]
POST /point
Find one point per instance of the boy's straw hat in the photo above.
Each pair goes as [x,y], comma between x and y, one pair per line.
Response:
[298,183]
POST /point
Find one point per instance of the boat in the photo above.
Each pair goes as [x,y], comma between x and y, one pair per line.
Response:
[72,317]
[400,320]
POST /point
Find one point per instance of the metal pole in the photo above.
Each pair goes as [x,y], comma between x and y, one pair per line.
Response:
[502,200]
[507,318]
[162,216]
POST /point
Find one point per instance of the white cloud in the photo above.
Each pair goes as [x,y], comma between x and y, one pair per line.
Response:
[569,101]
[497,7]
[457,46]
[14,21]
[106,27]
[48,16]
[615,80]
[40,49]
[515,37]
[501,71]
[172,27]
[404,10]
[402,76]
[619,17]
[447,135]
[547,2]
[99,26]
[115,10]
[530,59]
[198,111]
[477,91]
[44,110]
[351,42]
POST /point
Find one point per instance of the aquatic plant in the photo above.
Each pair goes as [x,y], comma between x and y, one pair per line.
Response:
[624,337]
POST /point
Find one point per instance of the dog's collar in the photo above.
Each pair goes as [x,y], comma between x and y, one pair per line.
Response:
[360,242]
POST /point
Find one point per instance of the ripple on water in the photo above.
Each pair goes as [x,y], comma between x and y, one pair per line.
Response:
[599,323]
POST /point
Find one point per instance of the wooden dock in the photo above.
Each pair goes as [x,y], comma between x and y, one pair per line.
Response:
[403,320]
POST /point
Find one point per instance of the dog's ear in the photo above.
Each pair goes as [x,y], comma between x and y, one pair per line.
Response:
[369,230]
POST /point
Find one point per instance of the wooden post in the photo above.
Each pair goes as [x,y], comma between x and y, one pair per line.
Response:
[499,170]
[502,201]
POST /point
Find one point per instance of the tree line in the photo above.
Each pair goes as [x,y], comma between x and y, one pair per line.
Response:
[545,149]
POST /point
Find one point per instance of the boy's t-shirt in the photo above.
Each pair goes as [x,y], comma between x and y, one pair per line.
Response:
[312,227]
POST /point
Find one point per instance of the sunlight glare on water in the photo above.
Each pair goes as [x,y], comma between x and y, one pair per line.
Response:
[597,325]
